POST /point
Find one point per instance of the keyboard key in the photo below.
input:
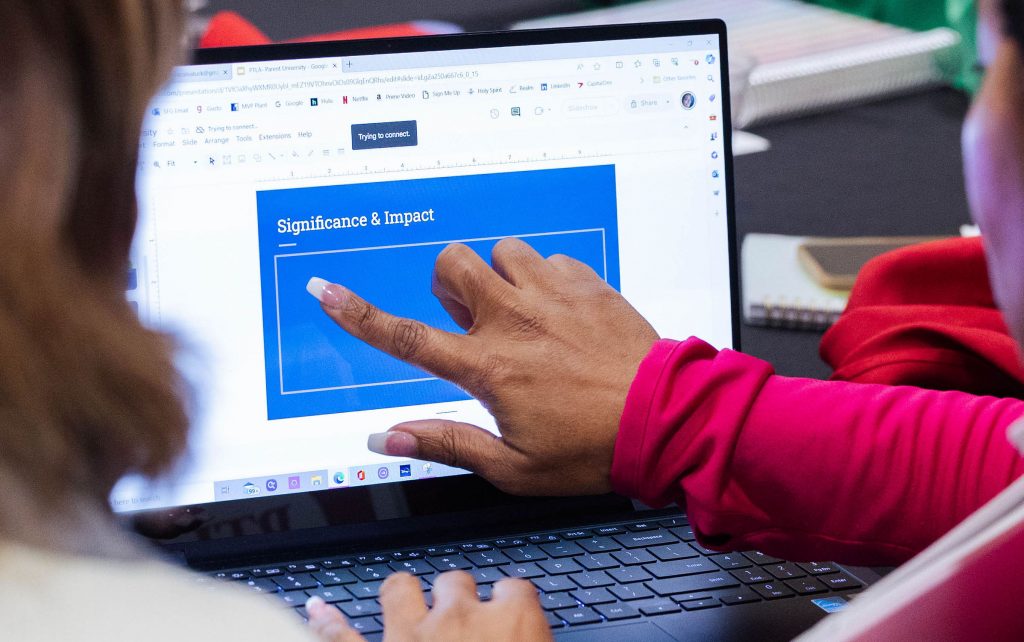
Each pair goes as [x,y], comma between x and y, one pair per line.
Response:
[741,595]
[436,551]
[336,563]
[631,558]
[592,579]
[691,597]
[486,575]
[334,578]
[691,583]
[562,549]
[553,620]
[525,571]
[757,557]
[263,585]
[574,617]
[554,583]
[552,601]
[487,558]
[819,568]
[366,625]
[730,561]
[630,574]
[266,572]
[806,586]
[475,548]
[702,550]
[303,568]
[301,612]
[629,592]
[369,560]
[525,554]
[685,533]
[785,571]
[612,612]
[372,573]
[416,567]
[295,582]
[697,605]
[483,591]
[543,539]
[574,534]
[839,581]
[408,555]
[772,590]
[510,542]
[675,522]
[609,530]
[597,562]
[330,595]
[590,597]
[645,539]
[234,576]
[638,527]
[753,576]
[671,552]
[293,598]
[599,545]
[559,567]
[360,608]
[364,591]
[660,607]
[449,563]
[662,570]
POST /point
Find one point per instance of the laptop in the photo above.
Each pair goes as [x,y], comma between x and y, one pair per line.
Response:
[359,162]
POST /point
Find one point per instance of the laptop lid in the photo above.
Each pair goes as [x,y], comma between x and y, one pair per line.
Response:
[359,162]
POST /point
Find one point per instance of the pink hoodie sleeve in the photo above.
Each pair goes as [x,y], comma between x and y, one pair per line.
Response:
[807,469]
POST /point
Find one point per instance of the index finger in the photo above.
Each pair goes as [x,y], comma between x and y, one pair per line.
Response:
[401,598]
[441,353]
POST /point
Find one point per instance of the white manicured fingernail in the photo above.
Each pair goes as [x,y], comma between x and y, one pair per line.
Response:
[316,287]
[393,444]
[330,294]
[314,603]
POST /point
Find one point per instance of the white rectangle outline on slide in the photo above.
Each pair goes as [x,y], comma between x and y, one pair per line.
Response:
[277,295]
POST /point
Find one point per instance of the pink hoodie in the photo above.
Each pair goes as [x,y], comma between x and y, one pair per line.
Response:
[807,469]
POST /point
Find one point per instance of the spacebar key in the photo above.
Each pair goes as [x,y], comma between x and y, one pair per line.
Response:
[692,583]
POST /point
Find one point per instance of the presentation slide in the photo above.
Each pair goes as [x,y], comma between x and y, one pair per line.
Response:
[381,240]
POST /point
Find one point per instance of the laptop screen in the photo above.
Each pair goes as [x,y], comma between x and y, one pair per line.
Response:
[256,176]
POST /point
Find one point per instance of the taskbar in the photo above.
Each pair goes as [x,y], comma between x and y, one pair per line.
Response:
[328,479]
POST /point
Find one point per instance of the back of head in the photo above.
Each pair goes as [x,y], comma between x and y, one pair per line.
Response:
[86,393]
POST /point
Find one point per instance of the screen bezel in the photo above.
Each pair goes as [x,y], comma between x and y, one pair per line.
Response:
[438,506]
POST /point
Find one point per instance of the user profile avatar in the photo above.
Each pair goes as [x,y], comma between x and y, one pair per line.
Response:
[689,100]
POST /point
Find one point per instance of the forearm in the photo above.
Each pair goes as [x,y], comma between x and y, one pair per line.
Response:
[803,468]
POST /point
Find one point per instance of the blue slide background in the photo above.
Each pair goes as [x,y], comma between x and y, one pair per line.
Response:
[318,359]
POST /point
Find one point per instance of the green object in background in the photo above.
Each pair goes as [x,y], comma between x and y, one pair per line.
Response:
[920,15]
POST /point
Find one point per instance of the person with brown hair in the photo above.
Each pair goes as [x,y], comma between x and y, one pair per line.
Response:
[87,394]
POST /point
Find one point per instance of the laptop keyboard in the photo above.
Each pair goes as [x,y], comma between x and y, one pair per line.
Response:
[586,576]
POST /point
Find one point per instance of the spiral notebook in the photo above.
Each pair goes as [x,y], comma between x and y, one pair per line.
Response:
[805,58]
[779,292]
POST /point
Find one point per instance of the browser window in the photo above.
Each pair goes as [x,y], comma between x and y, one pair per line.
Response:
[255,177]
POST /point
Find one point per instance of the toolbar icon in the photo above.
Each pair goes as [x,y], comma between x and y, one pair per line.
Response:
[294,482]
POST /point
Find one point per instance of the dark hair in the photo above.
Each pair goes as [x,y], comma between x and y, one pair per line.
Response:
[87,393]
[1013,12]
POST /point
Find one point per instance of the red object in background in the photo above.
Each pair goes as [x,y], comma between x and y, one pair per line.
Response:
[924,316]
[229,29]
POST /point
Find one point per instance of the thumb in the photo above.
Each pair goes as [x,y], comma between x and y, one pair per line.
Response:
[450,443]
